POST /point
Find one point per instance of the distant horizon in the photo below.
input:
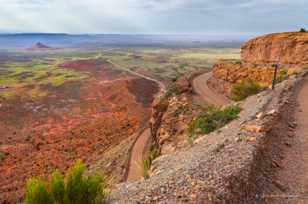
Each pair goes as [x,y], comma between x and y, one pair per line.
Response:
[148,17]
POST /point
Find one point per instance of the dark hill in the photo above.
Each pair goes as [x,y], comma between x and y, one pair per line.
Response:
[39,46]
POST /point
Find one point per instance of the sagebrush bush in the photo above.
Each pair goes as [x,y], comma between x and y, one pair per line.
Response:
[75,188]
[282,75]
[211,118]
[245,89]
[171,90]
[147,163]
[37,192]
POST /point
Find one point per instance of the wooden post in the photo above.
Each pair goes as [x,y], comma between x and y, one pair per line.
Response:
[275,76]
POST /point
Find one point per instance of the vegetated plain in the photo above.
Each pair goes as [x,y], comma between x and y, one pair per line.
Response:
[58,106]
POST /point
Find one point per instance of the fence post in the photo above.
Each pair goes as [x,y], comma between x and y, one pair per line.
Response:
[275,76]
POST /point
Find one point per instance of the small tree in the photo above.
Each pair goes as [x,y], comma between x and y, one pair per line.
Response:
[74,189]
[302,30]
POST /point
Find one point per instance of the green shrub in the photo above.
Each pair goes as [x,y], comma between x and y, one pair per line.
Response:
[37,192]
[244,89]
[302,30]
[57,187]
[147,163]
[283,73]
[2,156]
[171,90]
[74,189]
[211,118]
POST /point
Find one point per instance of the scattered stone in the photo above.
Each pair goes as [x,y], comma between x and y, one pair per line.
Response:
[292,125]
[280,186]
[238,139]
[252,139]
[288,144]
[276,164]
[260,116]
[271,112]
[253,128]
[290,135]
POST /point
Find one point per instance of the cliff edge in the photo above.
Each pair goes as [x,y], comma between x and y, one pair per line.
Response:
[289,51]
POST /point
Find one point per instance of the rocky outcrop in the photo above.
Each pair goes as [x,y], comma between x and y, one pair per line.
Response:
[159,107]
[281,48]
[287,50]
[183,85]
[232,165]
[228,73]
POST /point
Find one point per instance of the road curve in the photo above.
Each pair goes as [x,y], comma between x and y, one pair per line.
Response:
[136,159]
[134,172]
[206,93]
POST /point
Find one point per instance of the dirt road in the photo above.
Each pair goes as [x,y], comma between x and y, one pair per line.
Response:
[136,158]
[293,175]
[206,93]
[135,164]
[202,89]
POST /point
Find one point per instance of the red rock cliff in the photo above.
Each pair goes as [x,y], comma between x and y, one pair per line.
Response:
[282,48]
[289,50]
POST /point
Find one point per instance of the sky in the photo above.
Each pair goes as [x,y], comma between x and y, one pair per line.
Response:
[228,17]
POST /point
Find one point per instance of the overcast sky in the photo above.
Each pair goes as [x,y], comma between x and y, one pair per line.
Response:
[153,16]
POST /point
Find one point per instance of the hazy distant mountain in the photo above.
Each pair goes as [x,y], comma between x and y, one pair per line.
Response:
[39,46]
[60,40]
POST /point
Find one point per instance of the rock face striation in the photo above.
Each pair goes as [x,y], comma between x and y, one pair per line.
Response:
[281,48]
[288,50]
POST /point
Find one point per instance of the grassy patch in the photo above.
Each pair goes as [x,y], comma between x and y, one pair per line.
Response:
[171,90]
[245,89]
[282,75]
[147,163]
[168,64]
[31,75]
[2,156]
[74,189]
[212,118]
[211,54]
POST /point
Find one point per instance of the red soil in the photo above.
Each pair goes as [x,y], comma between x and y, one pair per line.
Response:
[77,120]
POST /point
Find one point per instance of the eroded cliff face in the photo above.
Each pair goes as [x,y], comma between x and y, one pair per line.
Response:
[282,48]
[288,50]
[228,73]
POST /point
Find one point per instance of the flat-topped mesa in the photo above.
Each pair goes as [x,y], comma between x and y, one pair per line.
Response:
[278,48]
[288,50]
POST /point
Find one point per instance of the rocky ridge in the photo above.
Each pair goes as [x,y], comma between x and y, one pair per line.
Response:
[287,50]
[283,48]
[231,165]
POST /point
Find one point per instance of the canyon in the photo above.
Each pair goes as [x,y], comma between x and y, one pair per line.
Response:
[241,162]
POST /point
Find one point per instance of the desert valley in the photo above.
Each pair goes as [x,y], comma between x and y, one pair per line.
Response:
[145,102]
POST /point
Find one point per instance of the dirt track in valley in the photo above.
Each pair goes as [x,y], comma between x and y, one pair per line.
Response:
[206,93]
[136,158]
[135,165]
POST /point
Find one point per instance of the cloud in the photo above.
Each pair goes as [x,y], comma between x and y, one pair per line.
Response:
[151,16]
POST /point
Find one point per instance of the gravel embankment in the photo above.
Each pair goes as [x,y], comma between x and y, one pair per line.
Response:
[228,166]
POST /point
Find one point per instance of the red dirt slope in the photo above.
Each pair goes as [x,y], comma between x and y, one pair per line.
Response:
[76,120]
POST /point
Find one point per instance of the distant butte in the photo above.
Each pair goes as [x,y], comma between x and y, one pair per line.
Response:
[39,46]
